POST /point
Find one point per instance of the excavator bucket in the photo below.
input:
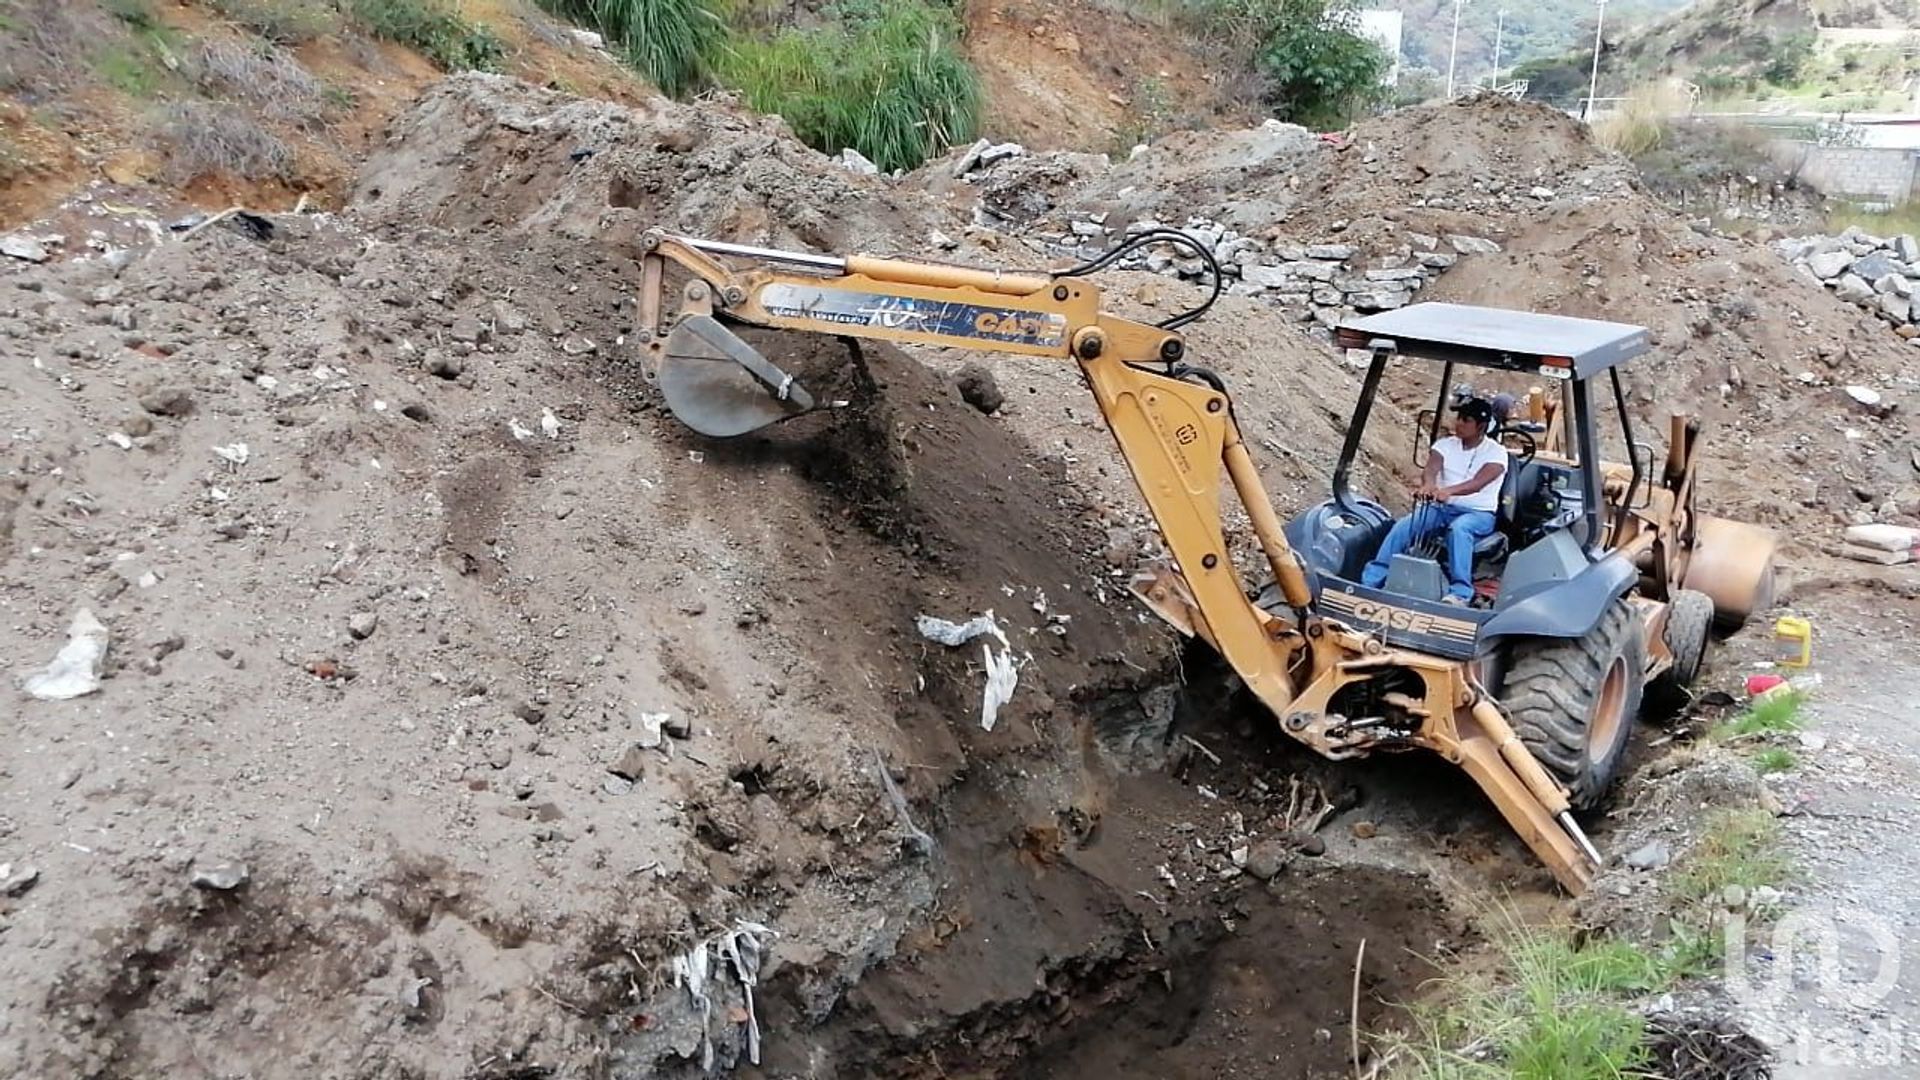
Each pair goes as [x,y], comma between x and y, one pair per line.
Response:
[721,386]
[1733,562]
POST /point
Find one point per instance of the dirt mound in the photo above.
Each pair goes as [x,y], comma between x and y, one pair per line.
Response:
[391,646]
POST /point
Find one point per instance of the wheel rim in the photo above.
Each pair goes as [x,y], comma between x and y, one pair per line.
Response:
[1609,712]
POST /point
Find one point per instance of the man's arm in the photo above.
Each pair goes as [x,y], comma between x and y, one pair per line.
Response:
[1429,476]
[1488,474]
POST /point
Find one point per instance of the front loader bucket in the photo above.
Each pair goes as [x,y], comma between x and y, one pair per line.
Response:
[1732,562]
[719,385]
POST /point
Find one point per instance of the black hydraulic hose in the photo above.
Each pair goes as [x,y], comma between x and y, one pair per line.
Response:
[1154,236]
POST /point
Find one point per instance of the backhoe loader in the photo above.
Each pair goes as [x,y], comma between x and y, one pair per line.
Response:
[1345,670]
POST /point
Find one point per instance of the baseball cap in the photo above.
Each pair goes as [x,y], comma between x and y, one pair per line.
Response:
[1475,409]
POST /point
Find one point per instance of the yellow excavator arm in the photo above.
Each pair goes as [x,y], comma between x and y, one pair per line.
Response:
[1176,431]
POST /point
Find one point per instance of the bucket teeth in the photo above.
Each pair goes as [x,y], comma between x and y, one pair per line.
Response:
[719,385]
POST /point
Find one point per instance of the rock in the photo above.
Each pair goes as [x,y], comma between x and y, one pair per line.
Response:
[1865,396]
[223,877]
[21,246]
[1307,843]
[15,880]
[979,389]
[528,712]
[970,160]
[1438,260]
[1378,300]
[445,365]
[678,727]
[361,624]
[1266,277]
[1829,264]
[1335,252]
[1650,856]
[1896,307]
[615,785]
[1086,229]
[941,240]
[468,329]
[1734,897]
[507,319]
[1405,273]
[1365,830]
[168,401]
[857,162]
[500,756]
[1853,289]
[1541,192]
[1473,245]
[631,766]
[1877,265]
[1267,858]
[1906,248]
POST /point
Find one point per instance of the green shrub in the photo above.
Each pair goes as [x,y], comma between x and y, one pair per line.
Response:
[1318,70]
[135,13]
[889,82]
[433,29]
[283,22]
[674,43]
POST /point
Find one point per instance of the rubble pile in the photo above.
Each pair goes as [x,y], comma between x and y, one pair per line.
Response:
[1878,274]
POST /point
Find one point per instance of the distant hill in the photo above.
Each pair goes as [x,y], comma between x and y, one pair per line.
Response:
[1534,29]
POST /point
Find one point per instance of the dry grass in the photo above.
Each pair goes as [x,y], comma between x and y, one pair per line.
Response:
[1640,124]
[284,22]
[203,138]
[51,44]
[264,75]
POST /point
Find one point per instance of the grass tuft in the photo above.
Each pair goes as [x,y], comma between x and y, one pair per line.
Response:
[890,82]
[1639,125]
[1775,759]
[1555,1012]
[432,28]
[1777,713]
[1739,847]
[674,43]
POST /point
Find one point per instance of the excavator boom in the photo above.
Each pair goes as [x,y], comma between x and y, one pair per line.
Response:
[1176,431]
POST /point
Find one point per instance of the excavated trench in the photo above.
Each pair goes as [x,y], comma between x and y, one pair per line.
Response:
[1132,951]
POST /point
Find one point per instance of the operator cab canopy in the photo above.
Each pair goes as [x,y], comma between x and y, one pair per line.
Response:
[1557,346]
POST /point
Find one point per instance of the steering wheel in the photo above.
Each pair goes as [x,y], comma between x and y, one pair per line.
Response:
[1528,446]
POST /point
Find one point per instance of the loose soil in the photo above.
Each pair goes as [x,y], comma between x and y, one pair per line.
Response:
[397,657]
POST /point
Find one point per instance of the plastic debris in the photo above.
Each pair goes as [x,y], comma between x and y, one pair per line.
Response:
[75,670]
[233,454]
[549,424]
[1002,676]
[519,431]
[740,947]
[1003,673]
[937,629]
[917,838]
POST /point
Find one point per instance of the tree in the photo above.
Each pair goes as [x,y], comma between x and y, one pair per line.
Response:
[1323,72]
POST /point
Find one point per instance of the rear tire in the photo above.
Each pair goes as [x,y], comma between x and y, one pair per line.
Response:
[1689,622]
[1573,701]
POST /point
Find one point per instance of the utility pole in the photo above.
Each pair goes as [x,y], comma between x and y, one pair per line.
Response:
[1499,34]
[1454,52]
[1593,84]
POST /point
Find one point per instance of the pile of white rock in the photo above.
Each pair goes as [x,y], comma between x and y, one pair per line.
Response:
[1881,274]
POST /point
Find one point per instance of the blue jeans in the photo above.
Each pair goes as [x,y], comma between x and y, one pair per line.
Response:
[1464,528]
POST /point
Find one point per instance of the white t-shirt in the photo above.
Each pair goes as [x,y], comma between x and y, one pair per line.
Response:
[1458,464]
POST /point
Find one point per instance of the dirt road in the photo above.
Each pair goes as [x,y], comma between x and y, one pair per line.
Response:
[1835,985]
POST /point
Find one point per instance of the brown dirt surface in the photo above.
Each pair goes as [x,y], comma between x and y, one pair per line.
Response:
[1084,76]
